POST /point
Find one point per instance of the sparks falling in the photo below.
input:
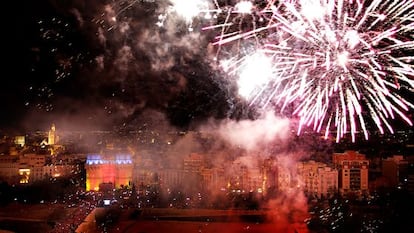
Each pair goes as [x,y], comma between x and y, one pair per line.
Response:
[339,63]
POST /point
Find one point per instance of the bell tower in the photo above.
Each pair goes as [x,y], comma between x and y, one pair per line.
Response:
[52,137]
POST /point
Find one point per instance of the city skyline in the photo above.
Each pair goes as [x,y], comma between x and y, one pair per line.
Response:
[152,112]
[110,154]
[149,170]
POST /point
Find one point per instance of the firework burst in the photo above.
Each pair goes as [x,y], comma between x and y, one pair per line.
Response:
[339,63]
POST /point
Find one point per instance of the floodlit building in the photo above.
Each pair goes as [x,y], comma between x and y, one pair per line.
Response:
[193,163]
[214,179]
[269,176]
[285,178]
[238,178]
[20,141]
[328,181]
[28,168]
[31,166]
[255,181]
[58,170]
[171,178]
[246,179]
[317,179]
[105,169]
[353,172]
[9,169]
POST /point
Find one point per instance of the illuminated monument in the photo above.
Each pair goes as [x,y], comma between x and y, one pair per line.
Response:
[108,169]
[52,137]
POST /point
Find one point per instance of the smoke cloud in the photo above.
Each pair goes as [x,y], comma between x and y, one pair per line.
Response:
[123,57]
[255,134]
[135,66]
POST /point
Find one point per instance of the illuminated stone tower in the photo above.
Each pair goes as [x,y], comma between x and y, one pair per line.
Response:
[108,169]
[52,137]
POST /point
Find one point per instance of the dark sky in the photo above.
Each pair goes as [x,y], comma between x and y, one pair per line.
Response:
[70,62]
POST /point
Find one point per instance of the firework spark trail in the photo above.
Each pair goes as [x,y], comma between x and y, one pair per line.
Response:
[189,10]
[340,62]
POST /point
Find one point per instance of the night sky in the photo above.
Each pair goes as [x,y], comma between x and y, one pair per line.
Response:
[69,62]
[104,64]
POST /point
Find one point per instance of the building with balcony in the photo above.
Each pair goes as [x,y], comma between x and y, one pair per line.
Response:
[317,179]
[353,172]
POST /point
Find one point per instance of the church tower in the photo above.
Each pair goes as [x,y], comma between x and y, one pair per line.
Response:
[52,137]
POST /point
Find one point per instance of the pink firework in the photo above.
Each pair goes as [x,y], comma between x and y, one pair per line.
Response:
[339,63]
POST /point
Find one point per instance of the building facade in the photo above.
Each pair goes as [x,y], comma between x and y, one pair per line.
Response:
[353,172]
[317,179]
[108,169]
